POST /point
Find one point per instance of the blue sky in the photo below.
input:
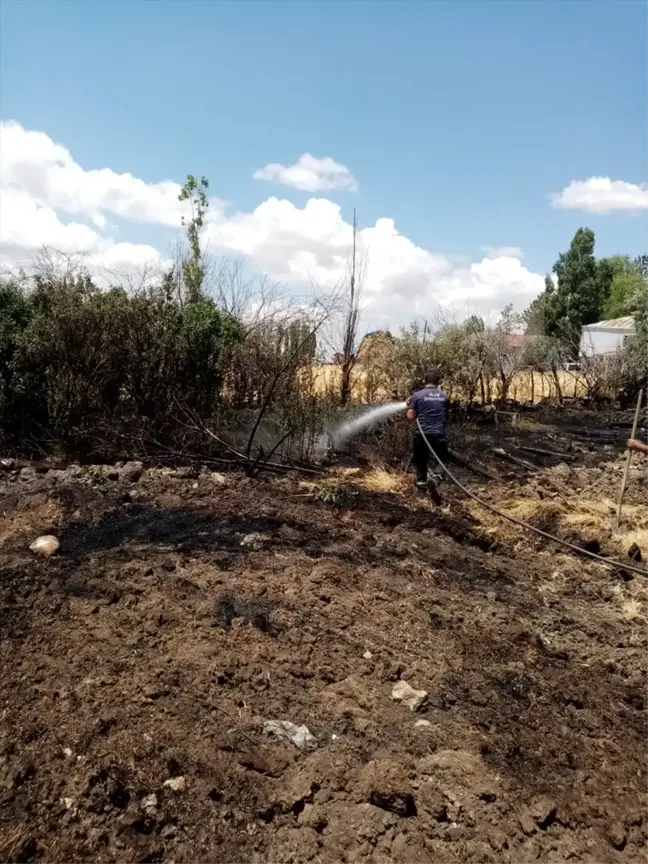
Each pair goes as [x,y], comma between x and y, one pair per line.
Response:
[457,119]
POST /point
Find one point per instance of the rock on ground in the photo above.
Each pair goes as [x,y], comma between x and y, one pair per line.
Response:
[403,692]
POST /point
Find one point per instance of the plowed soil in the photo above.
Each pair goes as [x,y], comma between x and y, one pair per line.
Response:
[139,664]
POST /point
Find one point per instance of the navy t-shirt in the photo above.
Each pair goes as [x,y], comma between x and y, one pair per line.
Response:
[431,406]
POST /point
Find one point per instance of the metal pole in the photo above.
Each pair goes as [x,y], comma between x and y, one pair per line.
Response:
[628,460]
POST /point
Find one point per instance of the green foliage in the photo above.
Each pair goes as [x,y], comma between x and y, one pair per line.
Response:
[581,288]
[327,494]
[585,290]
[84,369]
[635,354]
[193,271]
[474,324]
[625,292]
[641,263]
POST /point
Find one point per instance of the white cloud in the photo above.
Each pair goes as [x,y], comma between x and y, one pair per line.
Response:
[503,252]
[602,195]
[32,163]
[309,174]
[28,224]
[48,199]
[400,279]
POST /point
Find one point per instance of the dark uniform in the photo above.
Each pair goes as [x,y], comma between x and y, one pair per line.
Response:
[432,406]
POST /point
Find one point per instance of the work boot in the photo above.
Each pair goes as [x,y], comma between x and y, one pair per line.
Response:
[434,493]
[421,485]
[437,478]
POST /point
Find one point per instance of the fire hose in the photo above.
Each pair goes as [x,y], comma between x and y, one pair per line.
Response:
[608,562]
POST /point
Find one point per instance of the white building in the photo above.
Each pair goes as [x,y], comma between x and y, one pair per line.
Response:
[606,337]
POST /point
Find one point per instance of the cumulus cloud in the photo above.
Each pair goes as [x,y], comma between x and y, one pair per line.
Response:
[602,195]
[48,199]
[503,252]
[400,280]
[32,163]
[309,174]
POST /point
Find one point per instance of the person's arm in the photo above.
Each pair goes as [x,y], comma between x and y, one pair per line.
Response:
[411,410]
[637,446]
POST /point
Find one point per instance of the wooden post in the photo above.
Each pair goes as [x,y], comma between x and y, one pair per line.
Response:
[628,460]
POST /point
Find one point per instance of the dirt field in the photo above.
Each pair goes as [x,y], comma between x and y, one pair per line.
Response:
[184,610]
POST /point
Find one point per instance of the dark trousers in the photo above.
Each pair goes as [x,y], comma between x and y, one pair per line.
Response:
[421,454]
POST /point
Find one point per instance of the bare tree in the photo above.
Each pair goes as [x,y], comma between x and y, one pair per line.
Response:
[348,356]
[293,351]
[51,265]
[135,280]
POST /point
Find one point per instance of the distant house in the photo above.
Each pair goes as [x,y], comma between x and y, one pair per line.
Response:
[515,341]
[606,337]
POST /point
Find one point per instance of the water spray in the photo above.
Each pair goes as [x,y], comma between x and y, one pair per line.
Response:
[366,420]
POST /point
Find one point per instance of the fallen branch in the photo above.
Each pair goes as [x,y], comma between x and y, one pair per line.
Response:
[241,457]
[459,460]
[254,469]
[598,434]
[502,454]
[568,456]
[200,424]
[243,463]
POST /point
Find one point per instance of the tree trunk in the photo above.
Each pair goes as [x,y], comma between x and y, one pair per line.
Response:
[350,328]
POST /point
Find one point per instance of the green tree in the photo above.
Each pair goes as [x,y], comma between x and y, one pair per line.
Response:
[641,263]
[626,284]
[474,324]
[624,293]
[635,369]
[193,271]
[583,284]
[542,310]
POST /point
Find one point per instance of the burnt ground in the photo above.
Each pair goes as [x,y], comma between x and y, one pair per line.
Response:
[183,611]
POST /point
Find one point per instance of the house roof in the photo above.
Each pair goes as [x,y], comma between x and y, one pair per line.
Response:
[625,323]
[515,340]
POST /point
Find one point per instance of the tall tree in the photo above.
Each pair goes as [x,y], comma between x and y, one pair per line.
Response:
[583,284]
[541,314]
[352,313]
[193,271]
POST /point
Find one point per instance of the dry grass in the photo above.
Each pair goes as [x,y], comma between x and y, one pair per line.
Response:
[625,539]
[632,609]
[528,424]
[563,517]
[327,380]
[384,481]
[11,839]
[378,479]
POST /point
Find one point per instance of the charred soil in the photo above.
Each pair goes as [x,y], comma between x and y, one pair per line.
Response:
[184,610]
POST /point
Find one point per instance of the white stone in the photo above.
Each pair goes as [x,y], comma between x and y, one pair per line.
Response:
[255,540]
[402,692]
[46,545]
[149,803]
[300,736]
[178,784]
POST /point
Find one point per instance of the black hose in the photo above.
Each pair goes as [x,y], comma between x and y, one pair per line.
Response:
[608,562]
